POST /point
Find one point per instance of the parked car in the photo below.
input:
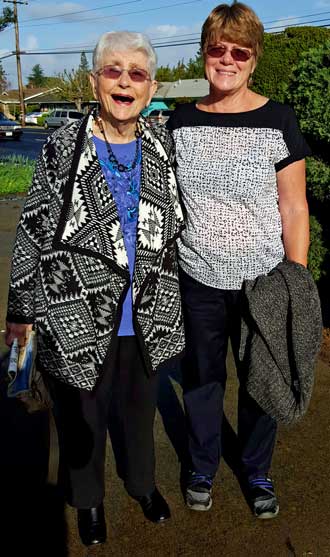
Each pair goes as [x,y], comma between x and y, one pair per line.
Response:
[9,128]
[59,118]
[32,118]
[159,116]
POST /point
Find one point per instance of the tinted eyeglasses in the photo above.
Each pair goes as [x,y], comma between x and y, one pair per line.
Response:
[138,75]
[238,54]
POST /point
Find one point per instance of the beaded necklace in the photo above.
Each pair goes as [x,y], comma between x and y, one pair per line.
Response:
[117,165]
[125,175]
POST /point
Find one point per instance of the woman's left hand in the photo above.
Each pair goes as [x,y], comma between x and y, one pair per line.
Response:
[19,331]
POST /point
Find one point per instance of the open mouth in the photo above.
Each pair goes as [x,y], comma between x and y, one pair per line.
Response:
[123,99]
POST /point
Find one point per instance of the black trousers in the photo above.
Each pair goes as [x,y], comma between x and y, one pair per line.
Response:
[212,317]
[123,403]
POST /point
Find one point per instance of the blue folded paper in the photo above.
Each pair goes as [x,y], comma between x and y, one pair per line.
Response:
[21,368]
[25,381]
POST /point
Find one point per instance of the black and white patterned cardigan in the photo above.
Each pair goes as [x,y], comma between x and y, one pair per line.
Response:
[70,269]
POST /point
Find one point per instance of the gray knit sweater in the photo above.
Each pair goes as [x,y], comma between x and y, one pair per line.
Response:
[281,337]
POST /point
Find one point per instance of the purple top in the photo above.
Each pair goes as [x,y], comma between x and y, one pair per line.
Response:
[125,189]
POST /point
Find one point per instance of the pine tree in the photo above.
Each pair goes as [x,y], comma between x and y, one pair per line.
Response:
[6,18]
[84,66]
[36,77]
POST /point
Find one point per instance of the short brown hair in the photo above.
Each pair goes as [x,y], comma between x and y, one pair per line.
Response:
[236,23]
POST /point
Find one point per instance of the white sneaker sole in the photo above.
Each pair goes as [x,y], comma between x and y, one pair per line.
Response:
[268,515]
[199,506]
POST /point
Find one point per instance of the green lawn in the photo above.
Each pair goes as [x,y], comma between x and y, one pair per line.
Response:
[15,174]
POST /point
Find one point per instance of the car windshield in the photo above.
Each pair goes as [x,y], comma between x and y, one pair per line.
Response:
[75,114]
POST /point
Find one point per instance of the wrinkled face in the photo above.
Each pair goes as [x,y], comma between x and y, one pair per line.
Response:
[226,70]
[123,96]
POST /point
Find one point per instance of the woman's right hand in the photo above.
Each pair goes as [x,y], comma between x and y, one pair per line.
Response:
[19,331]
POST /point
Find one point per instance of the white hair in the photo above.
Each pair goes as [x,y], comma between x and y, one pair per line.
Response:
[124,40]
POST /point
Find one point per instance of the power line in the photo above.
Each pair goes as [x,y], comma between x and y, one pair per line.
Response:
[294,17]
[114,15]
[134,1]
[80,11]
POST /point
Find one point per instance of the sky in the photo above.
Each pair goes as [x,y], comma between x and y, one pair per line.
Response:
[46,25]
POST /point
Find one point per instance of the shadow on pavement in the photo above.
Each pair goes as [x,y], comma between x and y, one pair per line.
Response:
[173,418]
[32,511]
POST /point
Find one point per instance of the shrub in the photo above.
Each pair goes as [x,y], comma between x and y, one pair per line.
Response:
[282,51]
[317,251]
[318,179]
[41,119]
[309,92]
[15,175]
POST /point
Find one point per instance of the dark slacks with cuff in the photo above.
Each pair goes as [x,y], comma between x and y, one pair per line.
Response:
[212,316]
[124,403]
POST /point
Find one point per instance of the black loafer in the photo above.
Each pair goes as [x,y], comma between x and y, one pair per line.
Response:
[91,525]
[154,506]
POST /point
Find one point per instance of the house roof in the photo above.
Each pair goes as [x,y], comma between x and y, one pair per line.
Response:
[194,88]
[12,96]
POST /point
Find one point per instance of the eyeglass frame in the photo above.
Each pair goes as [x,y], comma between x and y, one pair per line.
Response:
[230,50]
[121,70]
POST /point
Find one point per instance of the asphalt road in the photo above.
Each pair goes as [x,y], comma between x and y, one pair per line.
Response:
[29,145]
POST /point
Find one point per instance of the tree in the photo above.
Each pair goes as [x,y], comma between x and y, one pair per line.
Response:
[6,18]
[195,67]
[84,66]
[282,51]
[164,73]
[36,77]
[3,79]
[309,92]
[75,87]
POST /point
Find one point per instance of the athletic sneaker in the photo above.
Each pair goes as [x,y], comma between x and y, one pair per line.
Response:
[198,491]
[263,499]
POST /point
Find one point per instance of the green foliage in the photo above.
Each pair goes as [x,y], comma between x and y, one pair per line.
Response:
[75,86]
[3,79]
[41,119]
[6,18]
[309,92]
[318,179]
[194,69]
[36,77]
[164,73]
[317,251]
[52,81]
[15,175]
[282,52]
[84,66]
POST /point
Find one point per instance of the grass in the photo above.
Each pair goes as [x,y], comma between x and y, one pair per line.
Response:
[15,174]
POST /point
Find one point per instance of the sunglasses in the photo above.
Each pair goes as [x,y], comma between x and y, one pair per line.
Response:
[237,54]
[113,72]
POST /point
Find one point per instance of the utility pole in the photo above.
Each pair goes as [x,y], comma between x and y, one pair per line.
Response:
[18,60]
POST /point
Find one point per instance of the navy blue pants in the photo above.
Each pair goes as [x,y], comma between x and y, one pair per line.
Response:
[212,317]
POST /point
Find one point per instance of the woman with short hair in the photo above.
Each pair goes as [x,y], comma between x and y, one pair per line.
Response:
[241,175]
[94,270]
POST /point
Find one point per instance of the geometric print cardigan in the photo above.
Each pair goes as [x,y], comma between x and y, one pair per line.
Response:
[70,270]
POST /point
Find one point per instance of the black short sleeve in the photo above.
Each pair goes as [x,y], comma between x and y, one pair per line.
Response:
[294,139]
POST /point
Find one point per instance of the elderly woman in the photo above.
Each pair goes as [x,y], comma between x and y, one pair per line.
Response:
[94,270]
[241,173]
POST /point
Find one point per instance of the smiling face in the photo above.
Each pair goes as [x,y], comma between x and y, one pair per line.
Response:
[226,75]
[122,98]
